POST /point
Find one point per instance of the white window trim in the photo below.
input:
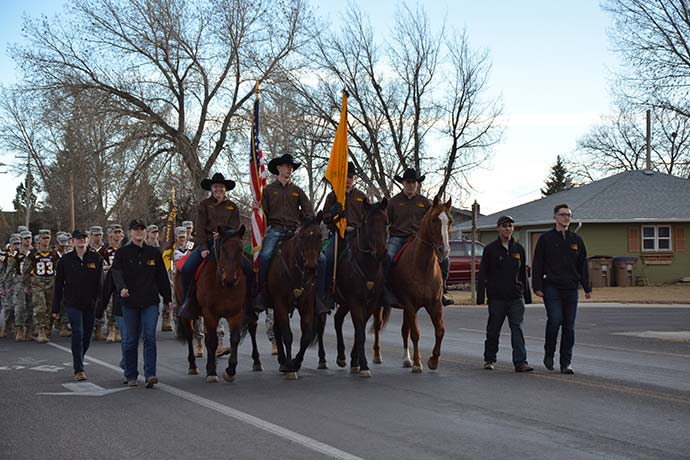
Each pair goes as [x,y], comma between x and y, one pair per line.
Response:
[656,238]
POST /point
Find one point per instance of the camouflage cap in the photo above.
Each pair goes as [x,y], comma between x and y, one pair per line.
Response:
[96,230]
[44,232]
[152,228]
[180,231]
[114,228]
[62,239]
[25,234]
[22,228]
[188,224]
[15,238]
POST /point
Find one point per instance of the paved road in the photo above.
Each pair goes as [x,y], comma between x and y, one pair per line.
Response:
[630,398]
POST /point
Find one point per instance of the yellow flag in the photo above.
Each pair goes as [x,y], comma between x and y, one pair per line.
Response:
[336,173]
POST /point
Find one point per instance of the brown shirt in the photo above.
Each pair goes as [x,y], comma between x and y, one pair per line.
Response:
[354,207]
[210,215]
[405,214]
[285,205]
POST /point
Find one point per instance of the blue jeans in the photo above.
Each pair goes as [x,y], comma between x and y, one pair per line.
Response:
[329,256]
[82,322]
[123,344]
[395,243]
[192,263]
[140,321]
[561,308]
[498,310]
[268,246]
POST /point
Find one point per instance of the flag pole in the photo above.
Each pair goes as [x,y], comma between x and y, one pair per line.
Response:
[337,234]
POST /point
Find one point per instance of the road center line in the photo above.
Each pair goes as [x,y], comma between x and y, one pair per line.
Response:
[277,430]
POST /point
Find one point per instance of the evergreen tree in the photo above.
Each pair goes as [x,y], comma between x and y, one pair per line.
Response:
[558,179]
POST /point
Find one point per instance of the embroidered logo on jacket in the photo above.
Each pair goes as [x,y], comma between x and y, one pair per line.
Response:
[151,262]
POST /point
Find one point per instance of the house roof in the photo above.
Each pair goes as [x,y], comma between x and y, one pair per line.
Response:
[630,196]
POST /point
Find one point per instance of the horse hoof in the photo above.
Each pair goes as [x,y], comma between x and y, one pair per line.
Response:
[227,377]
[258,367]
[365,374]
[416,369]
[432,363]
[378,360]
[291,376]
[341,362]
[193,371]
[322,366]
[354,370]
[212,379]
[407,363]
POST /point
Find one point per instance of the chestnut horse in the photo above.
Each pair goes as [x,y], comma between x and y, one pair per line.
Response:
[221,291]
[292,285]
[417,281]
[359,283]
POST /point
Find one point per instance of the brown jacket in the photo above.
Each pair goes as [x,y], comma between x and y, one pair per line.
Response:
[405,214]
[211,214]
[354,207]
[285,205]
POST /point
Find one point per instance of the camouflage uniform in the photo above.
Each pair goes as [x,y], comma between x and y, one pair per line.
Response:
[7,306]
[14,283]
[108,254]
[39,275]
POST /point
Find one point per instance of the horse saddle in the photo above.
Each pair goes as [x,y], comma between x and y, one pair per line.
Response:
[181,261]
[400,252]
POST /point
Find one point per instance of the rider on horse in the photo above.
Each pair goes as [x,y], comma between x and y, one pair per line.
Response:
[285,206]
[216,210]
[353,214]
[405,213]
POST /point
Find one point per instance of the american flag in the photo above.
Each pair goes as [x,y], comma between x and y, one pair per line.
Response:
[258,173]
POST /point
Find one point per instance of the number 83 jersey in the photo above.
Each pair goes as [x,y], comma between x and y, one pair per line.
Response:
[43,263]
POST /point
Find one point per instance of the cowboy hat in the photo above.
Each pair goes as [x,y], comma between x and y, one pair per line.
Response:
[410,175]
[218,178]
[285,159]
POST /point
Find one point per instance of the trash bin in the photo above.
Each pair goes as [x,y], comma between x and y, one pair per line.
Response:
[623,268]
[600,272]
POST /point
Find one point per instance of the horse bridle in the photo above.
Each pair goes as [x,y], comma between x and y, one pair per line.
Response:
[298,267]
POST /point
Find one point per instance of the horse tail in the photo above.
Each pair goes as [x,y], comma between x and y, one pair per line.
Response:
[384,320]
[184,330]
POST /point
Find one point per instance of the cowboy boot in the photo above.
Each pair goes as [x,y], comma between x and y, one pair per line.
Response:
[42,335]
[98,334]
[199,348]
[190,308]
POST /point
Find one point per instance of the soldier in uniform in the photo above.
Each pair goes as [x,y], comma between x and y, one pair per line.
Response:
[285,206]
[189,227]
[96,238]
[115,235]
[181,249]
[63,247]
[6,289]
[14,282]
[353,214]
[39,282]
[152,234]
[405,213]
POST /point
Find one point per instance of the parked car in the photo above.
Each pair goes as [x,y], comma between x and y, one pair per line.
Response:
[461,261]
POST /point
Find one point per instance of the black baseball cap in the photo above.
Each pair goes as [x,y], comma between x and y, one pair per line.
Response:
[137,223]
[78,234]
[504,220]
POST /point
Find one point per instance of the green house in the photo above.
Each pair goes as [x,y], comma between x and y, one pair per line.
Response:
[642,214]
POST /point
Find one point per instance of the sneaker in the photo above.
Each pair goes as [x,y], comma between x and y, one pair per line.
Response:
[447,300]
[80,376]
[567,370]
[548,362]
[523,367]
[151,381]
[132,383]
[489,365]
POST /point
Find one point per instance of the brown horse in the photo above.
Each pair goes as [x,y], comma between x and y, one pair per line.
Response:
[292,285]
[221,292]
[417,281]
[359,283]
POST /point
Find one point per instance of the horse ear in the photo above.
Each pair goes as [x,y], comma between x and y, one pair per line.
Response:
[435,201]
[319,217]
[449,202]
[241,231]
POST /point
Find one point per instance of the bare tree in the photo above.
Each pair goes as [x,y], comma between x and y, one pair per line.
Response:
[184,68]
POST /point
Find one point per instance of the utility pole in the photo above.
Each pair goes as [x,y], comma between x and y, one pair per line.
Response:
[473,263]
[71,203]
[649,141]
[27,214]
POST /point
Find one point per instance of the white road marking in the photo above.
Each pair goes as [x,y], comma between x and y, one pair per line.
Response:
[272,428]
[46,368]
[85,389]
[682,336]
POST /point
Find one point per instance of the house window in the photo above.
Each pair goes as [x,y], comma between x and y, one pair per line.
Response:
[656,238]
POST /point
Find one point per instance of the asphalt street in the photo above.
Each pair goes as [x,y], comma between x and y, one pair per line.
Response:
[629,398]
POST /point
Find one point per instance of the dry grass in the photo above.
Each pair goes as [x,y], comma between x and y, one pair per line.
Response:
[666,294]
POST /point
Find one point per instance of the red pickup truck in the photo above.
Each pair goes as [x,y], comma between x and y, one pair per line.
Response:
[461,261]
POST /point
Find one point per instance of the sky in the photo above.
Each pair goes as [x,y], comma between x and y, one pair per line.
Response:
[551,62]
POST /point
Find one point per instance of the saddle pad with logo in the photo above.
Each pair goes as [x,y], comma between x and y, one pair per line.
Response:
[181,261]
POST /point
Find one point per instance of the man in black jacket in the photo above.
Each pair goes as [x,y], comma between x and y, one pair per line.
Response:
[503,277]
[559,268]
[78,282]
[140,277]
